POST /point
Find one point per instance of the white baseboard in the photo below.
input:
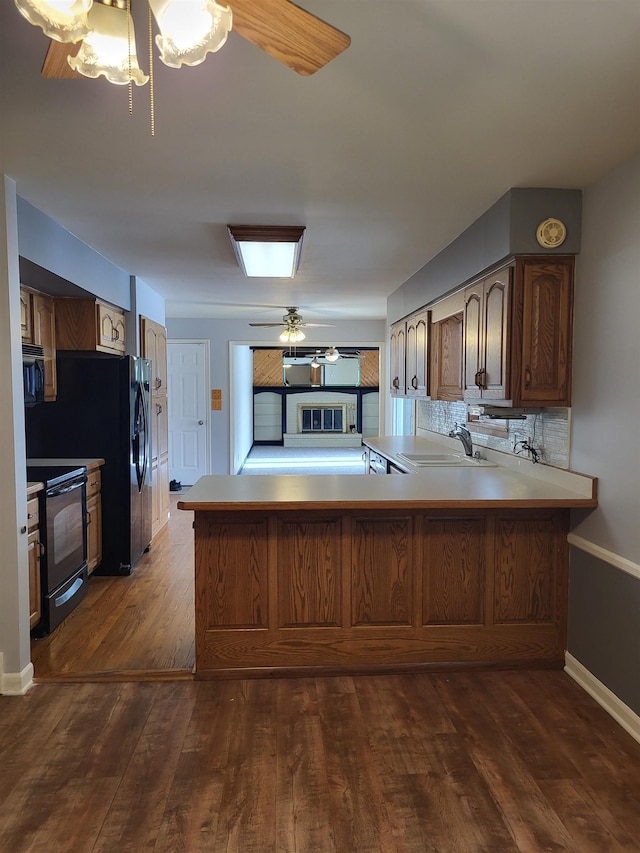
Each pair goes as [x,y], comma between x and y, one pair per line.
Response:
[15,683]
[620,712]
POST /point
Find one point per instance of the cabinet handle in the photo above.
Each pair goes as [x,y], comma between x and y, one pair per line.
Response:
[396,383]
[29,515]
[478,379]
[414,382]
[527,376]
[41,549]
[89,518]
[158,409]
[158,382]
[116,334]
[95,483]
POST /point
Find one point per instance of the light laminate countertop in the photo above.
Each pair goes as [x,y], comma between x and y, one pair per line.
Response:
[430,488]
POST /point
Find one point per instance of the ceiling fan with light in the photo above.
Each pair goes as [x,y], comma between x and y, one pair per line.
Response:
[293,325]
[85,32]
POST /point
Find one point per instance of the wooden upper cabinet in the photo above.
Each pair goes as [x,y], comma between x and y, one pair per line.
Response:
[154,347]
[26,315]
[397,353]
[44,335]
[518,325]
[446,358]
[111,328]
[91,325]
[544,300]
[417,355]
[487,312]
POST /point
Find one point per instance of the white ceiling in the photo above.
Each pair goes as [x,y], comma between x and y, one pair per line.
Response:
[436,109]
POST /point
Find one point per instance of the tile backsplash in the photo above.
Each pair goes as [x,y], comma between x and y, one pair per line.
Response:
[547,430]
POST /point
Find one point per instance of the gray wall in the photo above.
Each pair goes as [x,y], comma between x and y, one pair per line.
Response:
[221,332]
[44,242]
[507,228]
[604,601]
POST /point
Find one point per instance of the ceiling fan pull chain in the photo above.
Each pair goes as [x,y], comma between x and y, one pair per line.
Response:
[129,40]
[152,104]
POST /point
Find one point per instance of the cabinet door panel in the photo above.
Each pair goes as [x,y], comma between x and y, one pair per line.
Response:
[33,551]
[397,343]
[381,593]
[417,355]
[446,379]
[236,594]
[454,571]
[526,566]
[26,319]
[496,337]
[546,333]
[309,573]
[94,532]
[472,340]
[44,334]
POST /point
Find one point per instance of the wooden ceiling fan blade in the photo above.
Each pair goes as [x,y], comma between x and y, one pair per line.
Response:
[55,63]
[270,325]
[290,34]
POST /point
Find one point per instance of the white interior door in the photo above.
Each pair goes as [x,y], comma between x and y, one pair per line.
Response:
[188,383]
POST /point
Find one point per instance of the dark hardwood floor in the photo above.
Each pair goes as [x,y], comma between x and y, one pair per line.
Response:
[149,759]
[483,762]
[141,626]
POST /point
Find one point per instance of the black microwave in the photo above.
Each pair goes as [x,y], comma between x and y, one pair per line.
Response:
[33,374]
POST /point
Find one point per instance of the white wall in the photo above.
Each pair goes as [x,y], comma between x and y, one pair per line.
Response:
[15,667]
[241,404]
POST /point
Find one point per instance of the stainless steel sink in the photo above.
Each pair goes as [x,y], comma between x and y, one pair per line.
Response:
[432,458]
[443,459]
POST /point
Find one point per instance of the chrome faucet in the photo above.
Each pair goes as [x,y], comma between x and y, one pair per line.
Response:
[464,435]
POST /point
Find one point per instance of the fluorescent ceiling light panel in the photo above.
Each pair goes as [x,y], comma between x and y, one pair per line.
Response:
[267,251]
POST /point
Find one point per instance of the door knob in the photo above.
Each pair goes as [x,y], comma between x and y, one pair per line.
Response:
[200,422]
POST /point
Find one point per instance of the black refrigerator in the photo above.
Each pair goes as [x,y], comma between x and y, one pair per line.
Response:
[102,410]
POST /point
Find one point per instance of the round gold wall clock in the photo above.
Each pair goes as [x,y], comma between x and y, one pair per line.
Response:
[551,233]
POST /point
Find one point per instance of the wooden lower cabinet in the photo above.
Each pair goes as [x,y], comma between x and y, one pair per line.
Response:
[34,550]
[159,493]
[94,520]
[362,591]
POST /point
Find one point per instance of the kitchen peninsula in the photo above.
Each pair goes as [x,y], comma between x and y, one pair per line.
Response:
[449,566]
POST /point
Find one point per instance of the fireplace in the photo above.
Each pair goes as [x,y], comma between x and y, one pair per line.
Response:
[327,419]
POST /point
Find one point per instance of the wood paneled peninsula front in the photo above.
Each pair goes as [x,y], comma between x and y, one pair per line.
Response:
[332,574]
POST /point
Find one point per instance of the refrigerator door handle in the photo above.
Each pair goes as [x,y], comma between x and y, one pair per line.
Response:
[140,438]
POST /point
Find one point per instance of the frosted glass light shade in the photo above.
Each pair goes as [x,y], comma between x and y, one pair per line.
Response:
[62,20]
[267,251]
[190,29]
[332,354]
[292,336]
[105,51]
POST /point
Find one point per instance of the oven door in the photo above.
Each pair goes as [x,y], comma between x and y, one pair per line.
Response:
[65,511]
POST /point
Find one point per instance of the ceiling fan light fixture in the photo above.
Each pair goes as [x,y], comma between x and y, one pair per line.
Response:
[332,354]
[292,336]
[109,49]
[190,29]
[267,251]
[61,20]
